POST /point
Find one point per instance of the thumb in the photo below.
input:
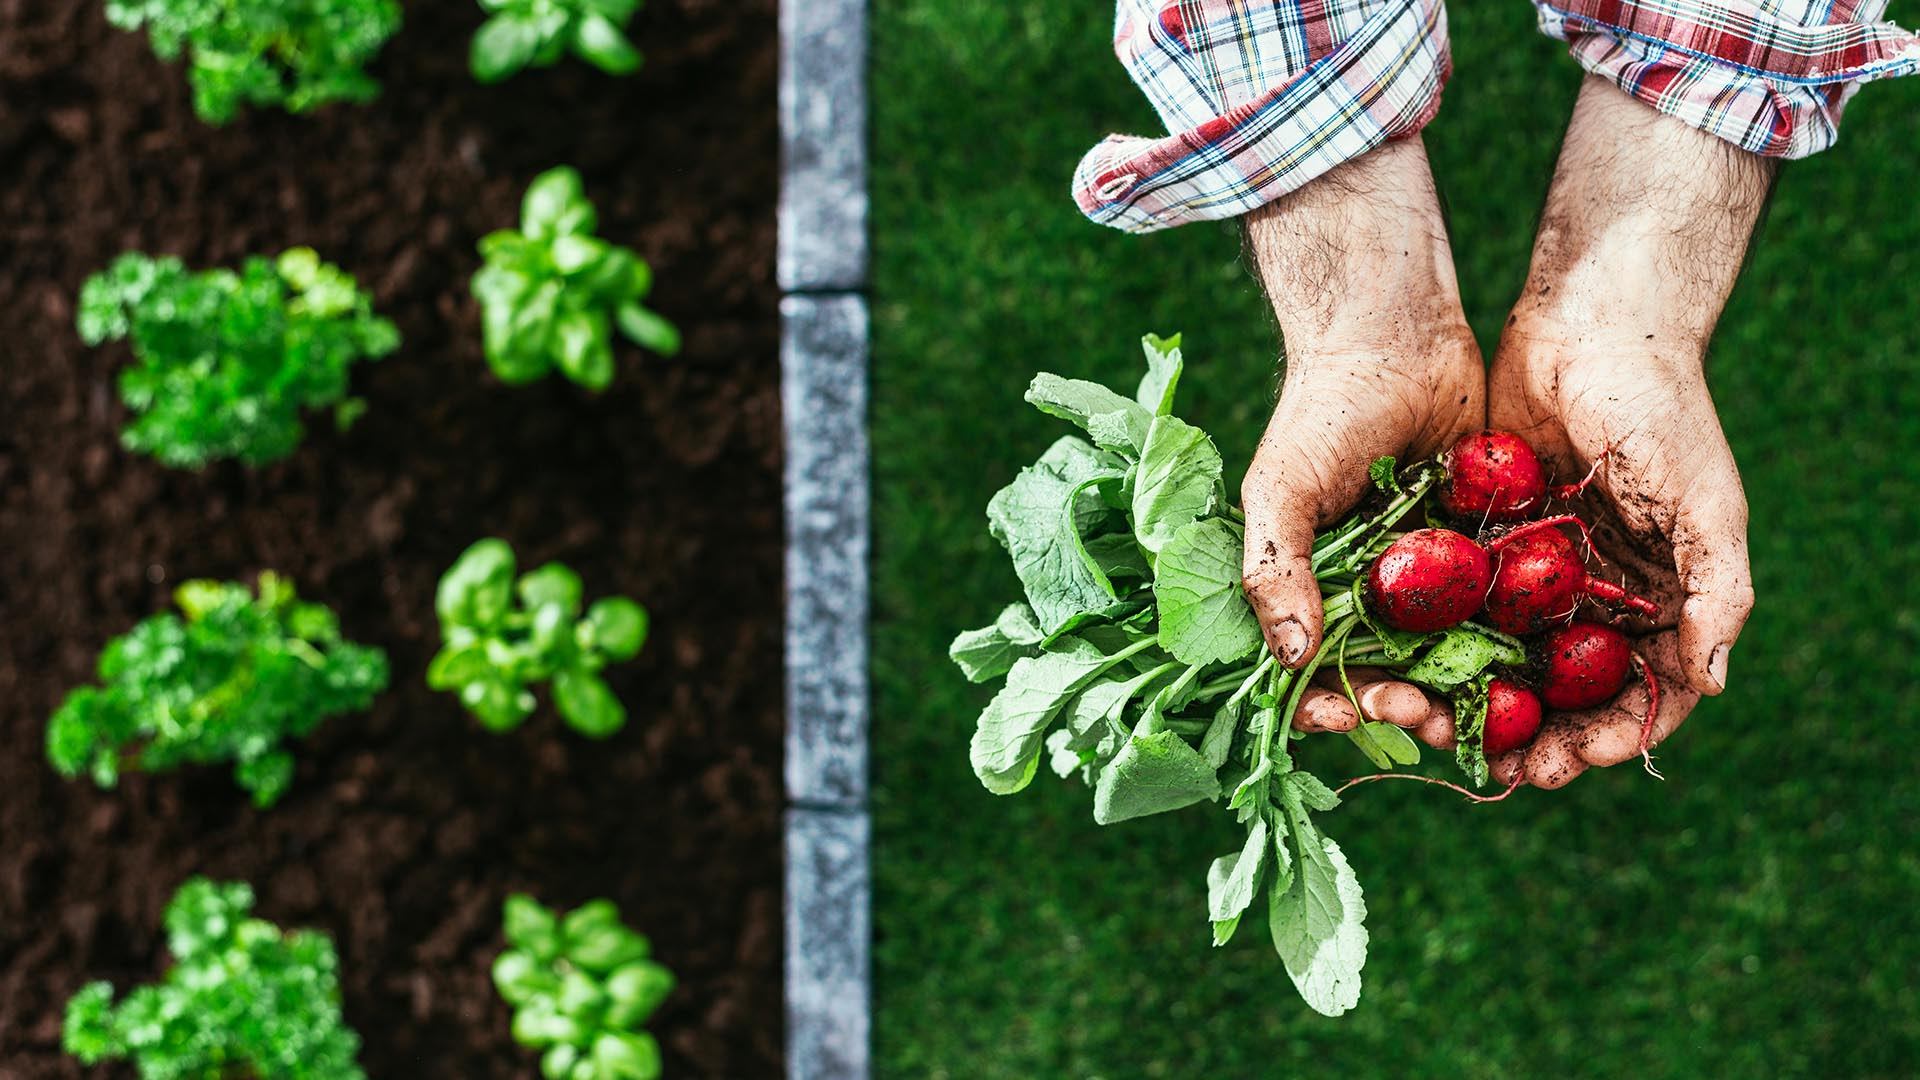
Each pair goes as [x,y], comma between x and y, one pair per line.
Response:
[1282,496]
[1710,556]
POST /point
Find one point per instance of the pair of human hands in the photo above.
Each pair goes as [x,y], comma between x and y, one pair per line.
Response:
[1643,234]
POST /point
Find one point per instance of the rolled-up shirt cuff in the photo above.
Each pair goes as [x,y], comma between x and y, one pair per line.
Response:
[1381,81]
[1771,78]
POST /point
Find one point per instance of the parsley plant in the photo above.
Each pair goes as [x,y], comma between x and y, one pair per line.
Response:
[300,54]
[495,649]
[550,292]
[536,33]
[580,988]
[224,362]
[243,998]
[231,681]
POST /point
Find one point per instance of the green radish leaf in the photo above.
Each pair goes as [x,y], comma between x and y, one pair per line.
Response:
[1318,921]
[1364,741]
[1007,739]
[1234,880]
[1398,645]
[1152,775]
[1174,485]
[1462,653]
[1123,424]
[1385,745]
[1469,727]
[989,652]
[1381,472]
[1028,519]
[1217,744]
[1163,374]
[1204,616]
[1118,557]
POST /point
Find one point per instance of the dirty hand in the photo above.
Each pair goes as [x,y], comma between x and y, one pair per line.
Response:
[1643,234]
[1379,361]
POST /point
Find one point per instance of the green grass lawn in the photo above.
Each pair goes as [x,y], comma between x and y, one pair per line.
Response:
[1750,917]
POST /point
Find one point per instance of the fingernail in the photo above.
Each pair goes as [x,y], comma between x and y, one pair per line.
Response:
[1717,665]
[1370,702]
[1289,641]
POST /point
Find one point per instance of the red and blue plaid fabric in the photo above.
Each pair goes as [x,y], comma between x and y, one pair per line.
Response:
[1264,95]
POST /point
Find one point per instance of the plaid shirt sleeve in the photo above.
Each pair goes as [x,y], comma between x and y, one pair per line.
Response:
[1261,96]
[1769,76]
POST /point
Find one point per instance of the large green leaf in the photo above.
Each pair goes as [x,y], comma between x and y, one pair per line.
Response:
[1204,616]
[1151,775]
[1006,744]
[1179,471]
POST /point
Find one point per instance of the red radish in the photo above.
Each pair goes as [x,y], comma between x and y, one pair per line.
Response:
[1538,580]
[1586,664]
[1493,476]
[1513,717]
[1429,579]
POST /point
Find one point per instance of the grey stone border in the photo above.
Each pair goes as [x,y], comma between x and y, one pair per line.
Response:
[823,371]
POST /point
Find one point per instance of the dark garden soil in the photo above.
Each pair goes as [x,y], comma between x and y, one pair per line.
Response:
[407,826]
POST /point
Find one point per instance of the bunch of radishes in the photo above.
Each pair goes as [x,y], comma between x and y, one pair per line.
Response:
[1522,576]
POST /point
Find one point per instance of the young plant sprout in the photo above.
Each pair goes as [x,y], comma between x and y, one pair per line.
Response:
[243,998]
[225,362]
[502,635]
[550,293]
[580,987]
[232,678]
[536,33]
[1135,662]
[298,54]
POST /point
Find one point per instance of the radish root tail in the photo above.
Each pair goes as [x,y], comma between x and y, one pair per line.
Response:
[1653,712]
[1472,796]
[1568,492]
[1586,535]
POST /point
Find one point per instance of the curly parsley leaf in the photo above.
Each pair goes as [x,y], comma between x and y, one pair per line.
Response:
[225,362]
[242,996]
[296,54]
[233,680]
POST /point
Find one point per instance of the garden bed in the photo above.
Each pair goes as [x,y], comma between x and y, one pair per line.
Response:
[406,827]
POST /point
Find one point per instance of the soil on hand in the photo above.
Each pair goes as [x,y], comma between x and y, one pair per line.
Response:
[406,826]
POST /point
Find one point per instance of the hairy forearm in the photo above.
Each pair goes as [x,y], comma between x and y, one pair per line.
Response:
[1357,262]
[1645,228]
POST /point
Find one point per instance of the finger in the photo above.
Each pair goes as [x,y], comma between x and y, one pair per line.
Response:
[1325,710]
[1710,556]
[1277,573]
[1552,761]
[1611,735]
[1398,703]
[1437,729]
[1381,696]
[1507,766]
